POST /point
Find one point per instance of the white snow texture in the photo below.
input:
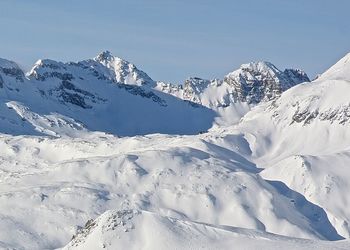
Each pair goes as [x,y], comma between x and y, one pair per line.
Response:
[97,155]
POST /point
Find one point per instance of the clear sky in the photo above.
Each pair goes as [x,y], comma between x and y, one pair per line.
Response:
[174,39]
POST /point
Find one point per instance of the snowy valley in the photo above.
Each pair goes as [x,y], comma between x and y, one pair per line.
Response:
[96,154]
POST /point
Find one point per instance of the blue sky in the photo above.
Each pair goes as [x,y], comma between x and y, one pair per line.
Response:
[174,39]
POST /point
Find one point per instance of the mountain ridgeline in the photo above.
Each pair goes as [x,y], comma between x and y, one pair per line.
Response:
[111,95]
[251,83]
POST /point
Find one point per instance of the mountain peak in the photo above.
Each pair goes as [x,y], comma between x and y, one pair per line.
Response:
[107,58]
[123,71]
[259,66]
[252,83]
[48,63]
[43,66]
[104,56]
[261,80]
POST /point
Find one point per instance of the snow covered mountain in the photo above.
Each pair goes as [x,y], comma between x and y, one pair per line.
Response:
[103,94]
[303,141]
[255,82]
[180,179]
[111,95]
[251,83]
[122,71]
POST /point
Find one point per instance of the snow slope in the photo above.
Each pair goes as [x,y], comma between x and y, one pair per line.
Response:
[322,180]
[51,186]
[339,71]
[134,229]
[182,177]
[303,141]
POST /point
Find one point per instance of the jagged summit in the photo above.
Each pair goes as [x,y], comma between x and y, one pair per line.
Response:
[105,94]
[193,87]
[259,66]
[103,66]
[123,71]
[251,83]
[104,56]
[262,81]
[101,83]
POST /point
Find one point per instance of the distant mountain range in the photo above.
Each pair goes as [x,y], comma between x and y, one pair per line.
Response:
[111,95]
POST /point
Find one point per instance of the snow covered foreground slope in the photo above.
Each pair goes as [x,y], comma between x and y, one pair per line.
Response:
[134,229]
[278,176]
[52,187]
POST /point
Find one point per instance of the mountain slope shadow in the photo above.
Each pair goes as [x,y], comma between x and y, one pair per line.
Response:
[56,98]
[237,160]
[128,111]
[316,215]
[137,115]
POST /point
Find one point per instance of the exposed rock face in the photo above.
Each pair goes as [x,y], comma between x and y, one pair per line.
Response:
[306,115]
[296,76]
[169,88]
[67,81]
[14,72]
[262,81]
[193,87]
[59,82]
[1,82]
[252,83]
[136,90]
[112,221]
[9,69]
[323,100]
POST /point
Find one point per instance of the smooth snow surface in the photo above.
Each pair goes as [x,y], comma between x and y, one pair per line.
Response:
[145,230]
[339,71]
[97,155]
